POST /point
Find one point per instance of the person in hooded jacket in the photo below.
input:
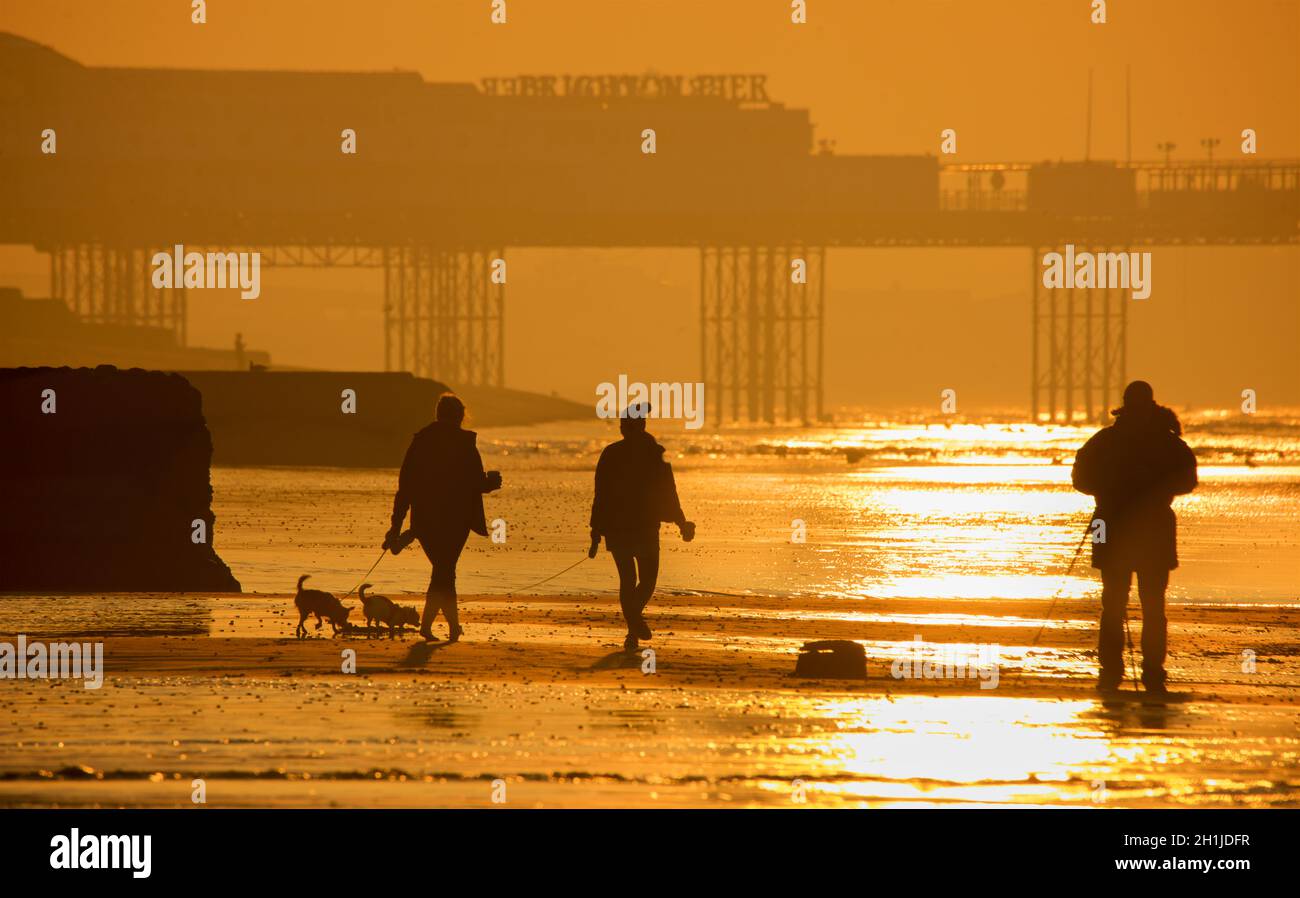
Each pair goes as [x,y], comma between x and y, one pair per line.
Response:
[635,492]
[1134,468]
[442,483]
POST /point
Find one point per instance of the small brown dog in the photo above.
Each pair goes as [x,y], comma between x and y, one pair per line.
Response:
[321,604]
[384,610]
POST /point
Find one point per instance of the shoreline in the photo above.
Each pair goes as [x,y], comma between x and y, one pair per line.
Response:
[539,695]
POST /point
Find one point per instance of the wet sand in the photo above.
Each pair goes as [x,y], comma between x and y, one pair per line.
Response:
[539,706]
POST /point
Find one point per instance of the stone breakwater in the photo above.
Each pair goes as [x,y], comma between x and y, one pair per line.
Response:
[105,475]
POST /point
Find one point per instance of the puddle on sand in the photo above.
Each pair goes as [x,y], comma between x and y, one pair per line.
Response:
[922,750]
[410,742]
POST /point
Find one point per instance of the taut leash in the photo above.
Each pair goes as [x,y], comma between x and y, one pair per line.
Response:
[1061,589]
[368,573]
[552,577]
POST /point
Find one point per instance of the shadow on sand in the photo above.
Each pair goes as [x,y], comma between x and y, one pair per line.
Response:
[420,653]
[619,660]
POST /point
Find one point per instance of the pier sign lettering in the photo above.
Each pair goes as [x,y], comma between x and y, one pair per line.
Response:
[649,86]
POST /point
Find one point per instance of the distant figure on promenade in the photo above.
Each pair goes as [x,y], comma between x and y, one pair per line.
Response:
[1134,468]
[442,483]
[635,491]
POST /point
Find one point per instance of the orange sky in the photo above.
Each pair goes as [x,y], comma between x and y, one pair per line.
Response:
[1010,77]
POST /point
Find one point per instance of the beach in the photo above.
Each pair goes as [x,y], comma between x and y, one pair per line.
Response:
[539,707]
[930,544]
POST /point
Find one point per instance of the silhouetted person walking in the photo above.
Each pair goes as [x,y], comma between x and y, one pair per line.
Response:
[1134,468]
[442,483]
[635,491]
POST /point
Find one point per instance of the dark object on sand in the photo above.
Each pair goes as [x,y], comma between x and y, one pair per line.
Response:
[832,659]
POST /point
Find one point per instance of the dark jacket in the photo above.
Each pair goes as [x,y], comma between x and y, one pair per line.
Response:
[1134,468]
[635,489]
[442,482]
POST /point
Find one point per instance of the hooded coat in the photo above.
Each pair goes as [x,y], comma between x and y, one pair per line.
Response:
[635,489]
[442,482]
[1134,468]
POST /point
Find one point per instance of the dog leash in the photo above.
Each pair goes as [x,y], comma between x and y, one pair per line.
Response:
[368,573]
[1128,632]
[396,546]
[521,589]
[550,578]
[1061,589]
[1051,607]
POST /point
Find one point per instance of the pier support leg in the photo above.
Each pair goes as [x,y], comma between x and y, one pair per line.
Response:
[105,284]
[761,332]
[444,315]
[1079,346]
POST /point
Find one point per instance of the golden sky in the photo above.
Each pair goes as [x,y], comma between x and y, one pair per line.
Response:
[878,77]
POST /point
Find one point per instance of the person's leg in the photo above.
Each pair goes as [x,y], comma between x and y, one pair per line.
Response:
[625,563]
[1110,638]
[432,598]
[648,571]
[446,554]
[454,545]
[1151,591]
[647,562]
